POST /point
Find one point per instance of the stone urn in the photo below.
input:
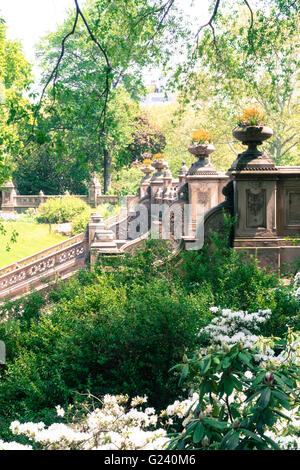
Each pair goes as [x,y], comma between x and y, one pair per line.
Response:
[147,170]
[252,136]
[160,164]
[202,165]
[96,218]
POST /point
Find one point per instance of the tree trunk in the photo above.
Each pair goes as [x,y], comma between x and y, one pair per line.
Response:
[107,171]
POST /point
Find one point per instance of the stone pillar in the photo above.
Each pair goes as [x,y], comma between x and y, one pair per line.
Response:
[94,223]
[145,182]
[101,240]
[255,185]
[42,197]
[9,192]
[94,191]
[156,183]
[204,182]
[182,173]
[168,192]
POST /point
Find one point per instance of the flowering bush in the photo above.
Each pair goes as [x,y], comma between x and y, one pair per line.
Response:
[238,405]
[119,424]
[232,327]
[251,116]
[201,137]
[241,404]
[121,315]
[297,286]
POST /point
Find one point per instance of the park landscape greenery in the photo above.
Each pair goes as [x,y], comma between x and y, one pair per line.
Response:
[82,355]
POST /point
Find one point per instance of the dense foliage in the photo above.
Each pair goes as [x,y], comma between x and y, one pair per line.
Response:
[15,78]
[61,209]
[120,330]
[239,399]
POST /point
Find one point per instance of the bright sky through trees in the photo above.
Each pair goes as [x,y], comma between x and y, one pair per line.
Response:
[29,20]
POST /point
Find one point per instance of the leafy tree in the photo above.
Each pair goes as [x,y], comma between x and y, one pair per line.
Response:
[146,138]
[244,62]
[15,78]
[121,40]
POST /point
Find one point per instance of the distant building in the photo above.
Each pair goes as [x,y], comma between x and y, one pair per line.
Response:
[156,96]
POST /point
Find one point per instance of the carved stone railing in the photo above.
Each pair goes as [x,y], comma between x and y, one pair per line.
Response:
[68,258]
[42,254]
[131,245]
[114,199]
[25,201]
[107,199]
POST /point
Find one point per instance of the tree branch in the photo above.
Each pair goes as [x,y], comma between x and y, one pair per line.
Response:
[54,73]
[289,148]
[215,11]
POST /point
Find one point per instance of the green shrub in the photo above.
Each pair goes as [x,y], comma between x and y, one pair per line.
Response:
[61,209]
[108,210]
[119,328]
[79,223]
[239,402]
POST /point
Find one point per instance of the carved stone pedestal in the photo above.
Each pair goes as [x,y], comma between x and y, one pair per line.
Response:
[267,206]
[205,184]
[101,240]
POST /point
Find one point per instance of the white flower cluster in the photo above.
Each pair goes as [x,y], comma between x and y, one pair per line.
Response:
[111,427]
[287,434]
[13,446]
[297,286]
[232,327]
[297,280]
[181,408]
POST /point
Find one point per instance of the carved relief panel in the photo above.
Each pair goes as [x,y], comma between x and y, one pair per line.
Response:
[256,208]
[293,208]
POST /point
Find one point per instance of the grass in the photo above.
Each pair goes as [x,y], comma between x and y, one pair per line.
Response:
[32,237]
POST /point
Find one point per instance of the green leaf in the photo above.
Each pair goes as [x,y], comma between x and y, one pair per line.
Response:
[272,443]
[206,366]
[252,396]
[264,398]
[251,434]
[177,366]
[258,379]
[216,424]
[226,362]
[198,433]
[228,385]
[184,373]
[238,385]
[283,399]
[233,441]
[244,357]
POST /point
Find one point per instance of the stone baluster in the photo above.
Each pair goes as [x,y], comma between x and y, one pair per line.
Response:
[145,182]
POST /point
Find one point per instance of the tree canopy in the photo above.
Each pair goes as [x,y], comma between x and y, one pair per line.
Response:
[15,78]
[93,81]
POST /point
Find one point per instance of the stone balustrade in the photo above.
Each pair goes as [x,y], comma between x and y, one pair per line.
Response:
[45,266]
[12,201]
[264,198]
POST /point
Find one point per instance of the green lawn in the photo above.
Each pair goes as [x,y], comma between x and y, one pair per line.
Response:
[32,237]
